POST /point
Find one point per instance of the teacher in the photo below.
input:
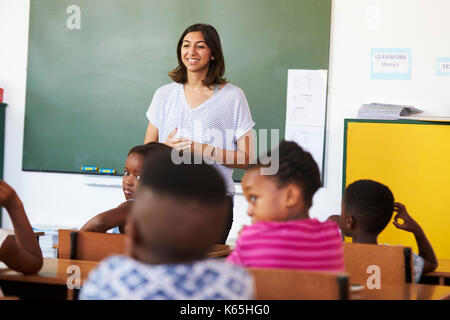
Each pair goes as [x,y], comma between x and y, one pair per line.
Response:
[201,111]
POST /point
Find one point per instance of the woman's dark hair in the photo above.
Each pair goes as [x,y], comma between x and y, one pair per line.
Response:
[216,69]
[295,166]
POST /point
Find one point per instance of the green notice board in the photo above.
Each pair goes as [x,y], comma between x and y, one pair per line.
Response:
[88,89]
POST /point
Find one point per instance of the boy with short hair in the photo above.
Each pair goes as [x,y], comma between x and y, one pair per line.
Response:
[367,208]
[179,214]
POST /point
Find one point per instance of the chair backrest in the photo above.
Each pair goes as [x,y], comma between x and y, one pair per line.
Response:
[287,284]
[219,251]
[9,298]
[395,263]
[93,246]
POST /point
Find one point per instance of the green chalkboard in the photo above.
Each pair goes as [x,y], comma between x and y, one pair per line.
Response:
[88,89]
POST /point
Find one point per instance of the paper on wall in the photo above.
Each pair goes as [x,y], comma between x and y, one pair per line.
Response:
[310,139]
[306,97]
[305,110]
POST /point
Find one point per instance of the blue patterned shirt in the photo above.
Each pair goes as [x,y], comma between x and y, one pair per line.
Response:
[120,277]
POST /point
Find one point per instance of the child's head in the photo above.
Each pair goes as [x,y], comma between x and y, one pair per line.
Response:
[179,213]
[367,208]
[288,194]
[133,166]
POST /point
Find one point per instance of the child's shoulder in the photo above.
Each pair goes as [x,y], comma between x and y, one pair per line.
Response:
[106,267]
[223,267]
[296,228]
[307,223]
[126,204]
[113,262]
[226,279]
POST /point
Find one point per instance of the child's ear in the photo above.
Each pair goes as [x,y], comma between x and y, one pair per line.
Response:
[293,196]
[350,222]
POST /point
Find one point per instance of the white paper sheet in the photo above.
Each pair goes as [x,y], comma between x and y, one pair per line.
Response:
[310,139]
[306,97]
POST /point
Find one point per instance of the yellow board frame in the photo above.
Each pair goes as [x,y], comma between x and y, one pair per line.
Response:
[413,159]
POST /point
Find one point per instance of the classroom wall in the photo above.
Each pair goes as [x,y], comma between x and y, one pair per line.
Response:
[357,26]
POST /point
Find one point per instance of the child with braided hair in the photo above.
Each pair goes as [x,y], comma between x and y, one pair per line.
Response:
[282,234]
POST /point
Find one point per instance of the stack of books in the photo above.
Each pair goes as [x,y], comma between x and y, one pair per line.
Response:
[386,111]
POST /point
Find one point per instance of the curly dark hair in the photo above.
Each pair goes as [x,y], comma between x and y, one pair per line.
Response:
[295,166]
[370,203]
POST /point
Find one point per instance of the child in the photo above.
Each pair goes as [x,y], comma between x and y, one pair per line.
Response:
[21,252]
[180,212]
[132,172]
[367,209]
[282,235]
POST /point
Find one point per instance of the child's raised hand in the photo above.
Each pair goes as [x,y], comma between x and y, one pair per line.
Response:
[409,224]
[8,196]
[177,143]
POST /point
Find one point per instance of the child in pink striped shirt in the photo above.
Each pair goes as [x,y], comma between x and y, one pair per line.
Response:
[282,234]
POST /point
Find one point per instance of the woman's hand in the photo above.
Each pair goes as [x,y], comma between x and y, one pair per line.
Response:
[177,143]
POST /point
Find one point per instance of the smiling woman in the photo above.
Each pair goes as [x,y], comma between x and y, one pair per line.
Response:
[200,111]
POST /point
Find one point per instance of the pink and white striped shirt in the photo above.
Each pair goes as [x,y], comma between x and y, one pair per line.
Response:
[306,244]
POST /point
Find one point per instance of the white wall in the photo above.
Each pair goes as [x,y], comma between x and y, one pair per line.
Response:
[65,200]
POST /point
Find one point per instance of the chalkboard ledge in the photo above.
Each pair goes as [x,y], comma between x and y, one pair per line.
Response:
[103,181]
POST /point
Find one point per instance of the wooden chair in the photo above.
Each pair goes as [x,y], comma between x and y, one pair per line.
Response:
[93,246]
[395,263]
[9,298]
[220,251]
[287,284]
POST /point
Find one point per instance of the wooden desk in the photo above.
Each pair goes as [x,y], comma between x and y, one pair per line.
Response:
[220,251]
[9,298]
[51,283]
[54,271]
[441,275]
[407,291]
[52,278]
[217,251]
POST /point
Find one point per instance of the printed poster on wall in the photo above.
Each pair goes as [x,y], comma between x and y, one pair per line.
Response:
[390,64]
